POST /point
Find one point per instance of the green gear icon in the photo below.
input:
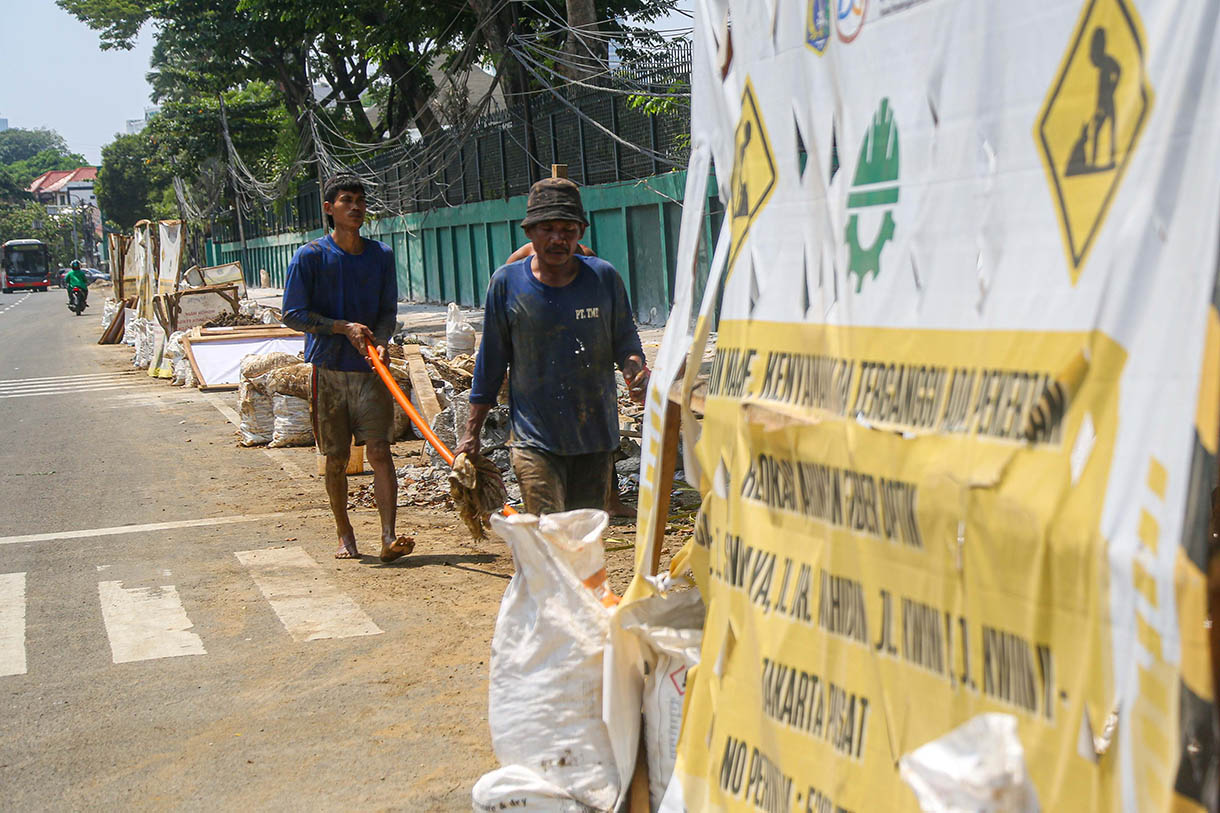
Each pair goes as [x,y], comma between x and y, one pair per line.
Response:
[875,184]
[864,261]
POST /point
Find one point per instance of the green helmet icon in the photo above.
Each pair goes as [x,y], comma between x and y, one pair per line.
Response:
[875,184]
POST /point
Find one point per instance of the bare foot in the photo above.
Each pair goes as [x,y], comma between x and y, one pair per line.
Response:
[347,548]
[616,508]
[398,548]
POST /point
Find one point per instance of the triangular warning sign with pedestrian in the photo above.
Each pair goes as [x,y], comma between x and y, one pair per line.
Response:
[753,178]
[1091,120]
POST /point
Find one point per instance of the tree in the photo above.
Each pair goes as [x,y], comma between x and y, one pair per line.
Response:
[207,46]
[30,220]
[126,181]
[11,190]
[24,172]
[26,154]
[18,144]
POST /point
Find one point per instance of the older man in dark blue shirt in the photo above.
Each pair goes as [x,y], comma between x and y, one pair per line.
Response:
[342,291]
[562,322]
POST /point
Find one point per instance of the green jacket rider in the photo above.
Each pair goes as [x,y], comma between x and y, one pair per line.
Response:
[76,278]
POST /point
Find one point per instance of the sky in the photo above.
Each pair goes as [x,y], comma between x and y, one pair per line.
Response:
[54,74]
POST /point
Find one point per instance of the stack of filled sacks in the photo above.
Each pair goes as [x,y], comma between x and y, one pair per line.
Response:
[274,391]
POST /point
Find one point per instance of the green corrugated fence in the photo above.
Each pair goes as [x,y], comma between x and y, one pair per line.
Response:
[448,255]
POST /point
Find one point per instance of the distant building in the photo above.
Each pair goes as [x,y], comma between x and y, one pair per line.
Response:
[3,125]
[65,187]
[69,193]
[137,125]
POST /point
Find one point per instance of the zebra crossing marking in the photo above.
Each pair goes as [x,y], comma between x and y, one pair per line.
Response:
[151,623]
[146,623]
[12,624]
[308,604]
[68,384]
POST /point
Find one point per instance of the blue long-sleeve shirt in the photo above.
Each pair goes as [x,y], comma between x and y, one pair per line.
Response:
[563,345]
[325,284]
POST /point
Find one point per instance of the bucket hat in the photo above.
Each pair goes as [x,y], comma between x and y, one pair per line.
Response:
[553,199]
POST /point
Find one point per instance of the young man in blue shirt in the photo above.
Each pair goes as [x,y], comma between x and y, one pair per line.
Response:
[342,292]
[562,321]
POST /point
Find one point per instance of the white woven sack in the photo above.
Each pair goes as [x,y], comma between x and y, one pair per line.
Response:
[293,426]
[545,685]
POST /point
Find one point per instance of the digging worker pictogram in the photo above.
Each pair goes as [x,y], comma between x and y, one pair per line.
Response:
[1108,74]
[562,322]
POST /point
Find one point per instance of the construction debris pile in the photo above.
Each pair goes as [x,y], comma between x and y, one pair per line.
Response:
[427,484]
[235,319]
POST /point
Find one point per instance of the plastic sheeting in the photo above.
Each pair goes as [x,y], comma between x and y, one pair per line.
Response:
[962,418]
[219,361]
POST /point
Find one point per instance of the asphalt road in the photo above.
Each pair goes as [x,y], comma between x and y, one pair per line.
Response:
[173,631]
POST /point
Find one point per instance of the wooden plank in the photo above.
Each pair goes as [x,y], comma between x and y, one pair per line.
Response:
[114,332]
[668,464]
[697,396]
[190,358]
[231,329]
[421,383]
[266,332]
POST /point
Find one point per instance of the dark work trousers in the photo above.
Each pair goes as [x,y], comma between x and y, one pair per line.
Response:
[551,483]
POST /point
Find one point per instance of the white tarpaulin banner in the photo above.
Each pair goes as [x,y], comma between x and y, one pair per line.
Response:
[218,360]
[146,269]
[170,248]
[961,426]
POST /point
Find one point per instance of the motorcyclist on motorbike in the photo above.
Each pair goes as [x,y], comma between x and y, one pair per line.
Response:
[76,280]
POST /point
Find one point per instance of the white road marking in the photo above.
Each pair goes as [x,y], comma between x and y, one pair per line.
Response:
[69,384]
[277,455]
[12,624]
[308,604]
[152,526]
[146,623]
[68,390]
[53,378]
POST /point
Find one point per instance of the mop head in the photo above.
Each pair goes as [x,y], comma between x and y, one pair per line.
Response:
[477,490]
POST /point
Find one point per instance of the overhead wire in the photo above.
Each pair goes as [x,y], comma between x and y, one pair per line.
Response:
[405,173]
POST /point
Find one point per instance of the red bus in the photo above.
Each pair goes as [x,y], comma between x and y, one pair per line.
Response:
[24,265]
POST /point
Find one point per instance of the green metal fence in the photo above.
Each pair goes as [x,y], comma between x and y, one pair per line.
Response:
[448,255]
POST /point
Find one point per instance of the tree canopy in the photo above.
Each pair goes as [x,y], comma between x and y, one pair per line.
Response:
[26,154]
[30,220]
[365,68]
[17,144]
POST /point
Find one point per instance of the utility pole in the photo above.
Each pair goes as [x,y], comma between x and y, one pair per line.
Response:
[72,218]
[241,235]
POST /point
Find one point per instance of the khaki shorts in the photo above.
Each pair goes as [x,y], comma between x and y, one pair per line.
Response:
[349,405]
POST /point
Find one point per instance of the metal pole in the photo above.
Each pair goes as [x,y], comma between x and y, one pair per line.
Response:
[618,158]
[241,235]
[72,218]
[652,138]
[584,159]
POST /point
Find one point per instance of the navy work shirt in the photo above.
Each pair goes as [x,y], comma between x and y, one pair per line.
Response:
[326,284]
[563,345]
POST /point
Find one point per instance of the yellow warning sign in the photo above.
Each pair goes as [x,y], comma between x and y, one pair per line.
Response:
[753,178]
[1091,120]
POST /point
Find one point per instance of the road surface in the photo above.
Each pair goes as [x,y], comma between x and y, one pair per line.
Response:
[173,630]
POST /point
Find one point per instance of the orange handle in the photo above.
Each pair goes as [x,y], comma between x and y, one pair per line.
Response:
[403,401]
[370,350]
